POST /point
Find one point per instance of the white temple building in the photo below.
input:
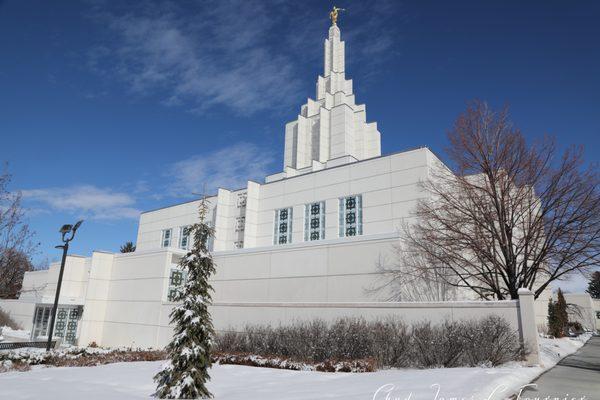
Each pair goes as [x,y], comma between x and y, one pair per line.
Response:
[309,236]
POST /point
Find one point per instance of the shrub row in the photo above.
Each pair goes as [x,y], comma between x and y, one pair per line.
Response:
[390,342]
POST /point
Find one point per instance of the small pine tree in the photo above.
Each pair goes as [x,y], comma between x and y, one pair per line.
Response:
[185,375]
[128,247]
[561,313]
[553,323]
[594,285]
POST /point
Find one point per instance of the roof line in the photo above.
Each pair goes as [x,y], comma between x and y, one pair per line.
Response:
[296,176]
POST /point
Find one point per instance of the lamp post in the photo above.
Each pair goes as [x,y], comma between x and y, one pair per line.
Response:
[66,238]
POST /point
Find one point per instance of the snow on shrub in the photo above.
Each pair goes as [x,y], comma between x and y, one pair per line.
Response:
[21,359]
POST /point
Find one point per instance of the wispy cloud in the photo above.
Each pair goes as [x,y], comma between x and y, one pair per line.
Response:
[217,55]
[229,168]
[243,55]
[84,200]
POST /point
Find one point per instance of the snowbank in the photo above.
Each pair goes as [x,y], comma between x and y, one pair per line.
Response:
[553,350]
[7,333]
[233,382]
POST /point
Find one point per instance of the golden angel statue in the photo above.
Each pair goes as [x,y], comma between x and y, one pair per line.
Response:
[334,14]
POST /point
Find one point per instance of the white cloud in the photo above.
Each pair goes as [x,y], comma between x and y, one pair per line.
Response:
[244,55]
[86,201]
[216,57]
[228,168]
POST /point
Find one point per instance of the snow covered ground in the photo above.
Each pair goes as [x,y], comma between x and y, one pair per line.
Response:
[232,382]
[9,334]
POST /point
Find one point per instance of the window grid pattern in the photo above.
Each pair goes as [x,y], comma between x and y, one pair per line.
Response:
[283,226]
[241,200]
[350,222]
[240,224]
[314,221]
[65,326]
[177,279]
[210,244]
[166,237]
[184,237]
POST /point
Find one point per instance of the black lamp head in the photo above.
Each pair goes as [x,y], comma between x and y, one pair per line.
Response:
[66,229]
[77,225]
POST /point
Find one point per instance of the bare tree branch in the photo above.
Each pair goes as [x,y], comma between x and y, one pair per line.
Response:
[510,215]
[16,246]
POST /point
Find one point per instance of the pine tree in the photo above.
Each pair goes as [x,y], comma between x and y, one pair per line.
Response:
[186,373]
[594,285]
[561,313]
[128,247]
[554,328]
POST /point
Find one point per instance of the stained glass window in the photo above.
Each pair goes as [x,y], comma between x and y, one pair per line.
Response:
[184,237]
[283,226]
[350,222]
[314,221]
[241,200]
[210,244]
[65,325]
[166,237]
[240,224]
[177,279]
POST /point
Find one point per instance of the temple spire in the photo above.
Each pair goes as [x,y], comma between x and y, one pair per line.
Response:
[331,129]
[334,60]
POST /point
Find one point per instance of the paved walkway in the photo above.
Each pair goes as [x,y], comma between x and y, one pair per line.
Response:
[574,377]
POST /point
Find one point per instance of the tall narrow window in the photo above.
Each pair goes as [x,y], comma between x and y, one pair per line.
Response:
[166,237]
[283,226]
[177,279]
[184,237]
[240,224]
[351,216]
[241,200]
[210,244]
[314,221]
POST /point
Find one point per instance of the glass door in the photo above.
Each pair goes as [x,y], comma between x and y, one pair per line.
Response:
[65,327]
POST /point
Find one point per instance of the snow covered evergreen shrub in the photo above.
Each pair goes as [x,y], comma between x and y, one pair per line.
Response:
[186,372]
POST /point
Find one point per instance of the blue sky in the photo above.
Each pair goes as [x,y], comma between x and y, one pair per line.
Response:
[111,108]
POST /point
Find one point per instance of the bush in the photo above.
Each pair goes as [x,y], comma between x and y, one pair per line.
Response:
[576,327]
[6,320]
[390,342]
[492,341]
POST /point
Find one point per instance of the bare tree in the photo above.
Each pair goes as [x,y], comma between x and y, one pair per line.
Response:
[409,277]
[510,215]
[16,246]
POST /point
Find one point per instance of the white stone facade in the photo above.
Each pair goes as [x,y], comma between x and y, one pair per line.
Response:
[331,127]
[312,234]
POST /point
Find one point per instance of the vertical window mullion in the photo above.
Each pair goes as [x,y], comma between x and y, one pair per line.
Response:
[342,221]
[306,222]
[289,226]
[322,220]
[359,213]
